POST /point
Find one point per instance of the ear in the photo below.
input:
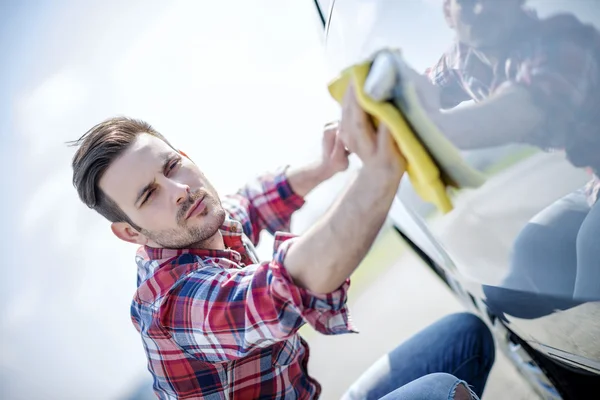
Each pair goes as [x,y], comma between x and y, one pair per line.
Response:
[126,232]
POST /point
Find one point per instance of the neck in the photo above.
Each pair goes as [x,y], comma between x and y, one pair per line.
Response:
[215,242]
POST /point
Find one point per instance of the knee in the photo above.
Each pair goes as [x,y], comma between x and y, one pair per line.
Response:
[440,382]
[531,244]
[462,392]
[469,325]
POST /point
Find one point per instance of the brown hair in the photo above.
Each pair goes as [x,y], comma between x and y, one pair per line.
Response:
[98,148]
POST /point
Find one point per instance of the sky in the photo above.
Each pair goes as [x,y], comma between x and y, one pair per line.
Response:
[239,85]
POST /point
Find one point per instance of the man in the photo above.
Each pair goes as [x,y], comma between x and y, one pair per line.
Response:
[533,81]
[528,73]
[216,322]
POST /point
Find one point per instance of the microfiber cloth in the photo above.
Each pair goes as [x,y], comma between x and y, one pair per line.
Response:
[433,163]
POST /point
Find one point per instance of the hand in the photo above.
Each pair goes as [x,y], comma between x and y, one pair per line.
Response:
[333,160]
[377,150]
[428,93]
[335,156]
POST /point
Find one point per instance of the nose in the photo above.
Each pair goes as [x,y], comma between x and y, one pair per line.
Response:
[181,192]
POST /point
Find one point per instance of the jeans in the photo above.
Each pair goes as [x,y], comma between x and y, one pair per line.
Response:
[557,252]
[458,349]
[554,263]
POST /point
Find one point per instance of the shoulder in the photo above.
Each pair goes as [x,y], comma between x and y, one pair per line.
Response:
[450,60]
[171,274]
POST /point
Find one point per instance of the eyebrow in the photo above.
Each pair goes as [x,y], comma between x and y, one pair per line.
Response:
[167,158]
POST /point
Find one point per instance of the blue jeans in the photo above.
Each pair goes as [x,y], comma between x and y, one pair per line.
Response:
[458,349]
[555,255]
[557,252]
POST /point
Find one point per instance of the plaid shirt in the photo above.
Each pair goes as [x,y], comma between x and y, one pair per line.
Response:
[558,60]
[218,324]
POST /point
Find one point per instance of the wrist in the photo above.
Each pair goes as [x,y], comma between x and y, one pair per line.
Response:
[303,180]
[320,171]
[384,175]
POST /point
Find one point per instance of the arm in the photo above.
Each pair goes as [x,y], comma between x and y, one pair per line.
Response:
[509,116]
[327,254]
[304,179]
[544,94]
[270,200]
[267,202]
[334,159]
[218,314]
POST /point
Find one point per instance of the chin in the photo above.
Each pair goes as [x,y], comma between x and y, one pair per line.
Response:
[212,221]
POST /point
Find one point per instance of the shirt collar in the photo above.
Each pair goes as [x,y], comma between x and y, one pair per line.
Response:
[149,258]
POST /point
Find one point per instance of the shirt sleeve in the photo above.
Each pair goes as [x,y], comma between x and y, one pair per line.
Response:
[447,78]
[219,314]
[267,202]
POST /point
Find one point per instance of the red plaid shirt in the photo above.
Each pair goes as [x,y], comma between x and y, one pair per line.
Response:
[218,324]
[558,60]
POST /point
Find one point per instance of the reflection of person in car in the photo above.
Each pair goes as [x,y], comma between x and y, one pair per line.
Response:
[217,323]
[534,81]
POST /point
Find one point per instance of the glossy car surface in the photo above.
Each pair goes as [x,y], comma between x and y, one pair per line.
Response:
[514,250]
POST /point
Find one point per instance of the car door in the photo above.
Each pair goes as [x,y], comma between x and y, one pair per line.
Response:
[521,244]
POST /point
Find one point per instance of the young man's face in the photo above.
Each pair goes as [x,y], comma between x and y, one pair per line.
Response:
[164,193]
[482,23]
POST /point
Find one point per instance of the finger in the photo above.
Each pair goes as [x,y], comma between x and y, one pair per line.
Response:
[345,142]
[345,121]
[361,120]
[357,128]
[332,126]
[386,140]
[329,139]
[364,133]
[339,149]
[384,137]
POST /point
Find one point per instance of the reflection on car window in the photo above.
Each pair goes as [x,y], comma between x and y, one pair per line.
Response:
[522,76]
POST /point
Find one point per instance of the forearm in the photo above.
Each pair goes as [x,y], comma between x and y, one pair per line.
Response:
[507,117]
[327,254]
[304,179]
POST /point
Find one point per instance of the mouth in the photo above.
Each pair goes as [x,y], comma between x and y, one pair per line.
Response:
[196,208]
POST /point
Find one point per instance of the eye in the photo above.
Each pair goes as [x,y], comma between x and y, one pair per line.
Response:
[147,197]
[173,165]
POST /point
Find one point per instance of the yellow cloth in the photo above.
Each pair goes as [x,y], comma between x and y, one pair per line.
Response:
[424,174]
